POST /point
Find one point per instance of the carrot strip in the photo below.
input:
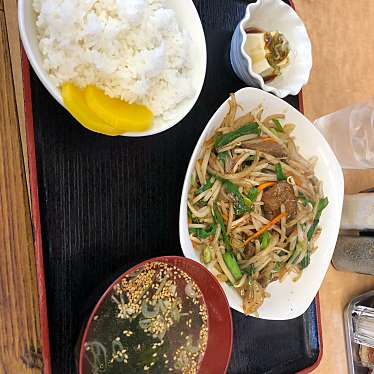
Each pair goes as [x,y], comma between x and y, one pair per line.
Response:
[265,228]
[268,139]
[224,216]
[262,186]
[297,180]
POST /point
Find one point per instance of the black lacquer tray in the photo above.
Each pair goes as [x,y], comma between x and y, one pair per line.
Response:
[106,203]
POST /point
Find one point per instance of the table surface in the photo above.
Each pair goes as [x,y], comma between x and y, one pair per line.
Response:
[341,75]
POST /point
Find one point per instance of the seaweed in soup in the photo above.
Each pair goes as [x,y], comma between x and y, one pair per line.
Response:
[153,321]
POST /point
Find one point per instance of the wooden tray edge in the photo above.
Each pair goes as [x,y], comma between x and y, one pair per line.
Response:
[35,215]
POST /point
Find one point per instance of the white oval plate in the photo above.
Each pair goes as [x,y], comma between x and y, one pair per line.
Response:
[288,299]
[188,19]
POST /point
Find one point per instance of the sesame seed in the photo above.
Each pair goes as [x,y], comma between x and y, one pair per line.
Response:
[153,283]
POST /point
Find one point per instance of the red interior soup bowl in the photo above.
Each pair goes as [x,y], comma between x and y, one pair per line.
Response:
[167,314]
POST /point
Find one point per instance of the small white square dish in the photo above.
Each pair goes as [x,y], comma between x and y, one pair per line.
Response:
[273,16]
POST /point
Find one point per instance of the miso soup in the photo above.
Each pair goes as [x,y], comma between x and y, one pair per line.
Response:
[153,321]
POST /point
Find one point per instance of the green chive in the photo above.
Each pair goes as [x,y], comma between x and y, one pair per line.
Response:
[322,204]
[207,256]
[279,172]
[264,239]
[232,265]
[222,140]
[219,220]
[203,234]
[252,194]
[277,125]
[206,186]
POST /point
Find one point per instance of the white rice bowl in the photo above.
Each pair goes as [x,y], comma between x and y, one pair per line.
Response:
[132,49]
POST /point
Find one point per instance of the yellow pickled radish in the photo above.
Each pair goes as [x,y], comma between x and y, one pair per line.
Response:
[118,113]
[76,104]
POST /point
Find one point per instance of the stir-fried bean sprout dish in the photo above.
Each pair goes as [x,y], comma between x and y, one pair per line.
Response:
[254,204]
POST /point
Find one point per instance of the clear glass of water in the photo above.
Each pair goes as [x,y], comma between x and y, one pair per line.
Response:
[350,133]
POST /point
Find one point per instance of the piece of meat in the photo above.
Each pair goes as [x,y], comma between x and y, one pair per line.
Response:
[249,251]
[371,355]
[280,193]
[272,148]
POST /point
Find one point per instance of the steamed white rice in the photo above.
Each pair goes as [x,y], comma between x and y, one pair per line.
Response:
[132,49]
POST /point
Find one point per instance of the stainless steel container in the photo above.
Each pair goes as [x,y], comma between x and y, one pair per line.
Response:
[359,326]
